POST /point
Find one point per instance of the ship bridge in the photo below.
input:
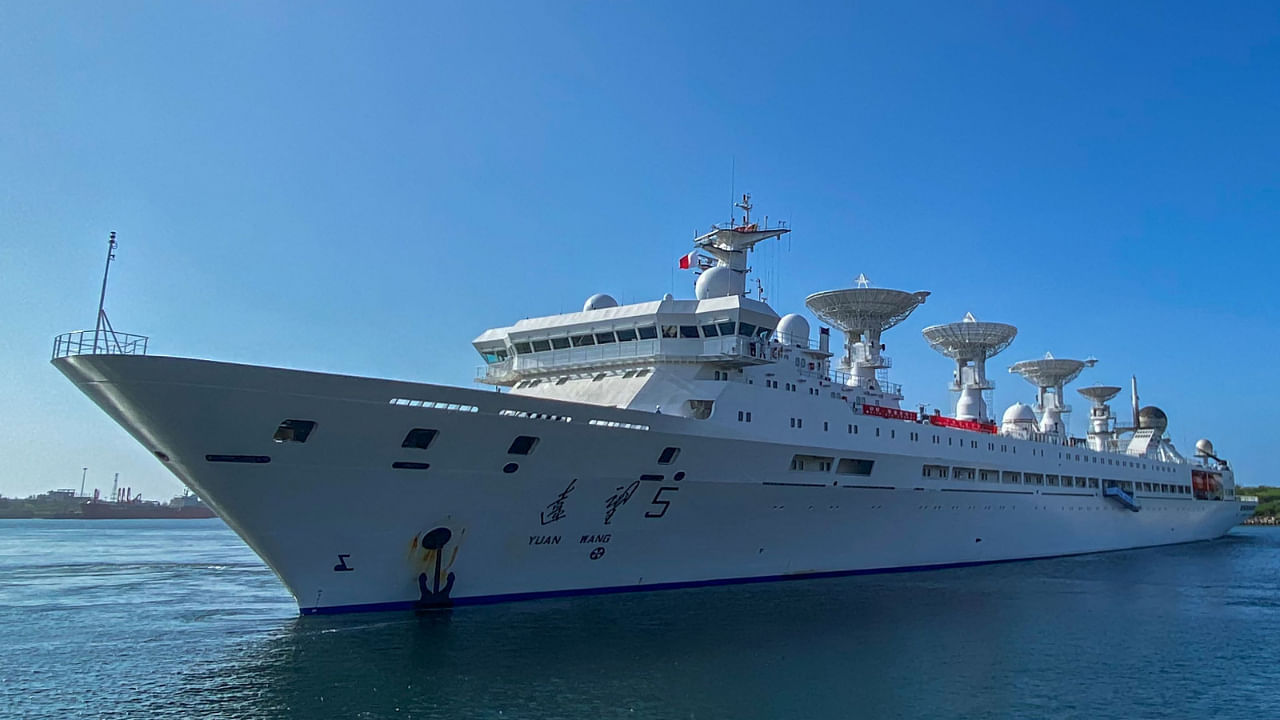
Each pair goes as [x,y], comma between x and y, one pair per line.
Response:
[731,331]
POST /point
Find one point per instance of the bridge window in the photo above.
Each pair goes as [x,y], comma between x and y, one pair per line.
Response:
[726,328]
[670,331]
[560,343]
[523,348]
[648,332]
[746,329]
[710,330]
[294,431]
[689,331]
[582,340]
[626,335]
[419,438]
[541,345]
[603,338]
[522,445]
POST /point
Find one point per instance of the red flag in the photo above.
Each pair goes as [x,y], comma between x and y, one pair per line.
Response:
[687,260]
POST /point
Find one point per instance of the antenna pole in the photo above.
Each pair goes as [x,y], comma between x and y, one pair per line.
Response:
[733,176]
[1134,379]
[85,472]
[111,254]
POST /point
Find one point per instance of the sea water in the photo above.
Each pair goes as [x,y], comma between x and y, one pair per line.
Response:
[177,618]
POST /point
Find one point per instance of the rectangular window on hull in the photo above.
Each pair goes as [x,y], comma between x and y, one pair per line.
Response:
[294,431]
[854,466]
[419,438]
[811,463]
[522,445]
[668,455]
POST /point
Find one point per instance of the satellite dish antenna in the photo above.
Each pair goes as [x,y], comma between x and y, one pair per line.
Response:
[863,314]
[1050,375]
[970,343]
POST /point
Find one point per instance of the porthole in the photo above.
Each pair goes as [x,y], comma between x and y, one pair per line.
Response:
[510,468]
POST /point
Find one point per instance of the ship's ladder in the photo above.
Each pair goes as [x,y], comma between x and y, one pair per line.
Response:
[1119,495]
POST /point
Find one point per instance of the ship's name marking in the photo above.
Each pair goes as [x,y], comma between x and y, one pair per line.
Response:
[544,539]
[618,499]
[555,508]
[595,539]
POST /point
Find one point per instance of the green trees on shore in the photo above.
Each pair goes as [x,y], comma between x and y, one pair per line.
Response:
[1268,499]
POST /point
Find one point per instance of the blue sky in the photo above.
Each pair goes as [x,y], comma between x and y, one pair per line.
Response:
[365,188]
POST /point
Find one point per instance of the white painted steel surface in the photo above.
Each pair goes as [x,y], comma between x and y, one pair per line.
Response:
[339,525]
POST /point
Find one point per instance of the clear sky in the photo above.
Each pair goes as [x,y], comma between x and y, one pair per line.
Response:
[365,187]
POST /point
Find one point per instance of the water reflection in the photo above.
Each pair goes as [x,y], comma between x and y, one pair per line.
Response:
[1026,639]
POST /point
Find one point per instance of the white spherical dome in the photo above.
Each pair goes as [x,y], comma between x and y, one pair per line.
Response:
[1204,447]
[718,281]
[1019,413]
[599,301]
[793,329]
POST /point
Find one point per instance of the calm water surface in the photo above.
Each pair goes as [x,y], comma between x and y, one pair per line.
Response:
[137,618]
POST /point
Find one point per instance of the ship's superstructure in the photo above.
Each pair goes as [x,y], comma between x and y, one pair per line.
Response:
[658,444]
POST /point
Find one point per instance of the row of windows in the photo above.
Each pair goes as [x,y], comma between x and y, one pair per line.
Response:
[595,378]
[727,328]
[1008,477]
[298,431]
[1017,478]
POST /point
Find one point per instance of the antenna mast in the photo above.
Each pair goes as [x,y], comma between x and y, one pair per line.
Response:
[102,322]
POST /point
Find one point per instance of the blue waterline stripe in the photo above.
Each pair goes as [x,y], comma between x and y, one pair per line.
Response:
[617,589]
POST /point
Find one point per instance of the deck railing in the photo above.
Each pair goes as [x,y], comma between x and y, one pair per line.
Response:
[100,342]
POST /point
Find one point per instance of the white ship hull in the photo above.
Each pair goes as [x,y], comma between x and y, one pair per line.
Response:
[344,530]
